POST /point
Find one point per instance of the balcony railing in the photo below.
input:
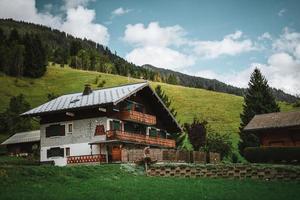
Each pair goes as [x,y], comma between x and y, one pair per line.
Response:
[143,139]
[137,117]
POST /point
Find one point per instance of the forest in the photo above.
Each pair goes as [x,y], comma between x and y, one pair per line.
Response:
[26,48]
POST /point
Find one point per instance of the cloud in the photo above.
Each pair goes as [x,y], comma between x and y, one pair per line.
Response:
[153,35]
[288,41]
[160,57]
[282,68]
[231,44]
[154,45]
[120,11]
[78,20]
[282,12]
[265,36]
[75,3]
[282,71]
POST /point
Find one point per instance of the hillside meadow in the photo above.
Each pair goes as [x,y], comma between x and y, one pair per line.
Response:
[221,110]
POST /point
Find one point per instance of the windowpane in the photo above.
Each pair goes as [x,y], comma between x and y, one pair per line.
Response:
[55,152]
[55,130]
[152,132]
[70,128]
[68,151]
[115,125]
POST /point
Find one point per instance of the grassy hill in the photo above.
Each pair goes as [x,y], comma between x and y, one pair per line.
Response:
[220,109]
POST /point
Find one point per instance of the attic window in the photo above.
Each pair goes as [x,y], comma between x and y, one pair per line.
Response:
[74,101]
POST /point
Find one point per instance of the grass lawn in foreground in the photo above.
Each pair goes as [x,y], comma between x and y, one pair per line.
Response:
[110,182]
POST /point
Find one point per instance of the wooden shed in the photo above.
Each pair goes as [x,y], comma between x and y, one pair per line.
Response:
[23,143]
[276,129]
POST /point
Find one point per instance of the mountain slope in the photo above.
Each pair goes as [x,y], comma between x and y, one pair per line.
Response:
[221,110]
[215,85]
[63,48]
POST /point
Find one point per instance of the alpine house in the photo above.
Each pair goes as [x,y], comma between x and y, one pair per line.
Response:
[94,126]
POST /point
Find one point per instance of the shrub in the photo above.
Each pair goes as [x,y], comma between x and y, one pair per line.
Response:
[219,143]
[272,154]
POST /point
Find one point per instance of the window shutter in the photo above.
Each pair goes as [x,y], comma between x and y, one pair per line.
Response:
[99,130]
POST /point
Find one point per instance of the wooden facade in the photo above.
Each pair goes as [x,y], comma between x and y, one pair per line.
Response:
[283,137]
[280,129]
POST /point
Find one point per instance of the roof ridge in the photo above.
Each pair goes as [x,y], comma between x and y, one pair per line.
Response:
[109,87]
[280,112]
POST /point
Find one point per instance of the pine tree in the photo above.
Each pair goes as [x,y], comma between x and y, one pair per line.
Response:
[35,58]
[11,122]
[258,99]
[165,99]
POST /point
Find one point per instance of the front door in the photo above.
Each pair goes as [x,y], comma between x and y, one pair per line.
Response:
[116,153]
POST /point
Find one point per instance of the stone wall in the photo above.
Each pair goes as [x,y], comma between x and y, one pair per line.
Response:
[237,171]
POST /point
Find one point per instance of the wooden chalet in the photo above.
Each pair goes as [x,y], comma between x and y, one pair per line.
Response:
[97,125]
[276,129]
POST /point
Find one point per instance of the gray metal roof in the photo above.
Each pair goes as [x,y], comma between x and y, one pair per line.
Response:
[29,136]
[97,97]
[274,120]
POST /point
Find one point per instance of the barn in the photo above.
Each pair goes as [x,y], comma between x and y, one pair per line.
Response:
[23,143]
[280,129]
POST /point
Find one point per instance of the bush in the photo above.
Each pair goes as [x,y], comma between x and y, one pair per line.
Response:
[272,154]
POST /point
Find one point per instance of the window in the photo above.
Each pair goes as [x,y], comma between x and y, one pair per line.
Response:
[162,134]
[139,108]
[99,130]
[153,132]
[70,128]
[134,128]
[67,151]
[55,130]
[55,152]
[115,125]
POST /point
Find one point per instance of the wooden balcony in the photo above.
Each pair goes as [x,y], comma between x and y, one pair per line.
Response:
[143,139]
[139,117]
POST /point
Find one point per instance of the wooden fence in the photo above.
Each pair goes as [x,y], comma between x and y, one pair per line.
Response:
[163,155]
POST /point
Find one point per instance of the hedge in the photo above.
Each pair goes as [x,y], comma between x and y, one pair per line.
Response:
[272,154]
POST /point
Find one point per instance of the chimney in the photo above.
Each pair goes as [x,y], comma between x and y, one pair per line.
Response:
[87,89]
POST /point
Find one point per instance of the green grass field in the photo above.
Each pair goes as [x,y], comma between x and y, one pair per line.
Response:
[20,181]
[221,110]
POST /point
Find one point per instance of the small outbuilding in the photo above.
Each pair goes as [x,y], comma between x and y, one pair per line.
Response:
[281,129]
[23,143]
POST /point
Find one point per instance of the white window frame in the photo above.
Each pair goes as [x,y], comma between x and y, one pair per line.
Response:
[67,128]
[66,152]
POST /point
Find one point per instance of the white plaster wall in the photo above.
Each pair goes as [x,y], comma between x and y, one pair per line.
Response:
[83,131]
[79,149]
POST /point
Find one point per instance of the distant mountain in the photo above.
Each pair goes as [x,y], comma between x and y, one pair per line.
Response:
[213,84]
[63,48]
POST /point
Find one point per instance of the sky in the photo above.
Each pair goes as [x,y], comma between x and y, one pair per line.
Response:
[218,39]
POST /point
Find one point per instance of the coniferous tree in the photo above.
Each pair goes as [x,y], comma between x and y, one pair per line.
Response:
[258,99]
[35,59]
[165,99]
[11,121]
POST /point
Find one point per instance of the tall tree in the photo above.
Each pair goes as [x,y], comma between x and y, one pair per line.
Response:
[35,59]
[258,99]
[165,99]
[11,122]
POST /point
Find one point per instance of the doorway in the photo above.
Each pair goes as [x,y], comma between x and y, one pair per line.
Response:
[116,153]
